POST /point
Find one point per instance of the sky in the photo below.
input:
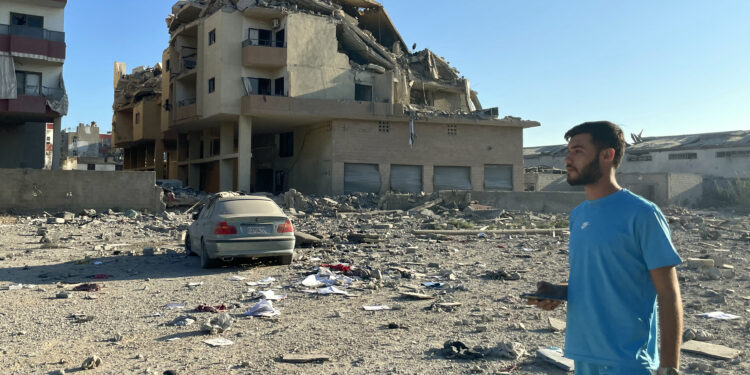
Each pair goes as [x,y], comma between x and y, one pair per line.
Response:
[662,67]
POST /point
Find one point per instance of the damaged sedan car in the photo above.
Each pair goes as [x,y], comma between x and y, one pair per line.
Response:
[232,226]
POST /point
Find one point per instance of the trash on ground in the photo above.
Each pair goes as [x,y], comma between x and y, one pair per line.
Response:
[236,278]
[718,315]
[271,295]
[217,324]
[174,306]
[264,308]
[710,350]
[266,281]
[376,308]
[213,309]
[305,358]
[332,290]
[416,295]
[182,321]
[554,356]
[88,287]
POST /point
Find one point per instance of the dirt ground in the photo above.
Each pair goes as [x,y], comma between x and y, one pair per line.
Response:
[46,326]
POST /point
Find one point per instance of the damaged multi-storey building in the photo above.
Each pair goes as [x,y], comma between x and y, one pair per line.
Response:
[322,96]
[32,93]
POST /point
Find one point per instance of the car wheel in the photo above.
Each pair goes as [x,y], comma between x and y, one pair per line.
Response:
[188,246]
[206,262]
[286,259]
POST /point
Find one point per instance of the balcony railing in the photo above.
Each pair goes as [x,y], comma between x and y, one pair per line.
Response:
[262,42]
[47,92]
[32,32]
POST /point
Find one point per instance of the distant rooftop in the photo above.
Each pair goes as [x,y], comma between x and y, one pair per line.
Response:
[730,139]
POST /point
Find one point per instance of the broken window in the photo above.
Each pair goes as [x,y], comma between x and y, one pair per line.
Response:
[257,86]
[167,65]
[280,38]
[212,37]
[258,37]
[19,19]
[211,85]
[91,167]
[28,83]
[729,154]
[683,156]
[278,86]
[215,146]
[286,144]
[362,93]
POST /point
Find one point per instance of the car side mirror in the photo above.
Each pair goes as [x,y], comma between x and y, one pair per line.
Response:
[195,215]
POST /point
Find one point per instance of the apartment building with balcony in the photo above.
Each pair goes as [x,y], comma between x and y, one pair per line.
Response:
[32,93]
[137,119]
[324,97]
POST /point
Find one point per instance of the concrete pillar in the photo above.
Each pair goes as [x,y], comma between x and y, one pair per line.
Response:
[337,178]
[245,155]
[194,149]
[385,177]
[56,144]
[428,172]
[477,177]
[226,166]
[159,159]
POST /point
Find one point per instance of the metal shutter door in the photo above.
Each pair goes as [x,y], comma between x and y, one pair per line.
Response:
[406,178]
[498,177]
[361,178]
[452,178]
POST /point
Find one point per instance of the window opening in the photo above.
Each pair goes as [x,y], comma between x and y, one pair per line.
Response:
[286,145]
[211,85]
[452,129]
[384,126]
[683,156]
[212,37]
[278,86]
[362,93]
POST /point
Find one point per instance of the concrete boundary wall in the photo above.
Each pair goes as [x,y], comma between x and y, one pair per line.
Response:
[43,190]
[540,201]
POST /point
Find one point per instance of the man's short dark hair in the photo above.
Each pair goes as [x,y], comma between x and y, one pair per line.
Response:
[604,134]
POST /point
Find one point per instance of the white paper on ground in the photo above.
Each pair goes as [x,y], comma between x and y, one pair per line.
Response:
[174,306]
[376,308]
[263,308]
[236,278]
[332,290]
[718,315]
[271,295]
[219,341]
[267,281]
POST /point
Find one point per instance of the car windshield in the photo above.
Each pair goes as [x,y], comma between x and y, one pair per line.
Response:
[247,206]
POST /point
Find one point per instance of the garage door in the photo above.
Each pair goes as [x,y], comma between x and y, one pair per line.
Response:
[452,178]
[361,178]
[406,178]
[498,177]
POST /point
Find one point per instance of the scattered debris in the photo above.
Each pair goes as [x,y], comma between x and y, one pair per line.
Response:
[217,324]
[710,350]
[91,363]
[218,341]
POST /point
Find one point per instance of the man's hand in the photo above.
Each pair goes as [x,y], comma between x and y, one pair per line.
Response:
[545,288]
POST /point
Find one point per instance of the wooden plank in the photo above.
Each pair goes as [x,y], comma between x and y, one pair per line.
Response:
[305,358]
[710,350]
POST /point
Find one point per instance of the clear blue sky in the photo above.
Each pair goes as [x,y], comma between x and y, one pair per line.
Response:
[667,67]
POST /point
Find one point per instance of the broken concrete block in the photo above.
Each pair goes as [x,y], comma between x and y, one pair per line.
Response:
[305,239]
[699,263]
[710,350]
[556,325]
[555,357]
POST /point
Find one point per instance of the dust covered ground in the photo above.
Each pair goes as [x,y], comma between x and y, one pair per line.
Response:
[146,283]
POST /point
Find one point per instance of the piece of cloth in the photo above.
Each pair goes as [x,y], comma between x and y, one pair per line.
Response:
[8,84]
[587,368]
[612,312]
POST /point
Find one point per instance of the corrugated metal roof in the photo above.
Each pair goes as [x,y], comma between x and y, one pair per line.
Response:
[731,139]
[737,138]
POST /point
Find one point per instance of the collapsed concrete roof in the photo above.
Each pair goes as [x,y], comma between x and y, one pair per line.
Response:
[367,35]
[730,139]
[142,82]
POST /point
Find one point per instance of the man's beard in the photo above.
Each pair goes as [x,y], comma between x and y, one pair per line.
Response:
[590,174]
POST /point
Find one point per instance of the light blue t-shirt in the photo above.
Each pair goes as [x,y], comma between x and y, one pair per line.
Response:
[612,312]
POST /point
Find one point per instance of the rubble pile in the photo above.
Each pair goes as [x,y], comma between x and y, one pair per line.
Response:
[432,287]
[142,82]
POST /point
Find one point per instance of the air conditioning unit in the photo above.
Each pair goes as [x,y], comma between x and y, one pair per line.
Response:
[276,23]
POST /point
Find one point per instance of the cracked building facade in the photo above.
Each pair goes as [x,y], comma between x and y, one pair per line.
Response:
[32,93]
[321,96]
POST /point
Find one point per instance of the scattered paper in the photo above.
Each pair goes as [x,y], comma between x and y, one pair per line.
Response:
[219,341]
[236,278]
[195,284]
[271,295]
[332,290]
[267,281]
[263,308]
[376,308]
[174,306]
[718,315]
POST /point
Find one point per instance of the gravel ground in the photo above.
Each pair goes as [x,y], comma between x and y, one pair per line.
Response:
[127,323]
